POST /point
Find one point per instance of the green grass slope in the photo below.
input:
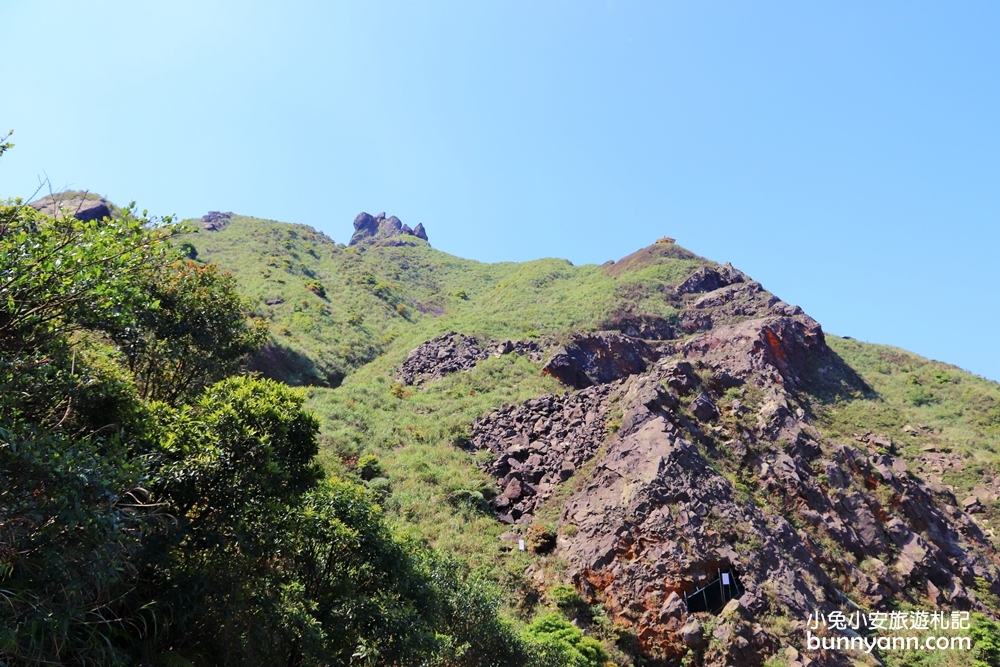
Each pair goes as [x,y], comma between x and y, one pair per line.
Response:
[341,307]
[945,422]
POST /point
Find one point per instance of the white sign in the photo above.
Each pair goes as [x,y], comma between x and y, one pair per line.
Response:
[725,578]
[520,545]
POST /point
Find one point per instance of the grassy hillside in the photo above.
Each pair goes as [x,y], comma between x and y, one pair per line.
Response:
[341,307]
[349,316]
[376,304]
[943,421]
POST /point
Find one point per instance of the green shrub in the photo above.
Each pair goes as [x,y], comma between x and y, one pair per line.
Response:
[469,498]
[381,487]
[562,643]
[565,596]
[369,467]
[316,287]
[986,641]
[540,539]
[919,396]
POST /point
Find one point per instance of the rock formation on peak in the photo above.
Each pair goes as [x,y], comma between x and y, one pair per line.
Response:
[215,221]
[79,204]
[379,230]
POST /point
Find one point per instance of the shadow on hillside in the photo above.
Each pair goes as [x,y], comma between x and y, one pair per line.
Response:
[284,364]
[828,378]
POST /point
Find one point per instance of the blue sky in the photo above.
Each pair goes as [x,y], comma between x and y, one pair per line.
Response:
[847,155]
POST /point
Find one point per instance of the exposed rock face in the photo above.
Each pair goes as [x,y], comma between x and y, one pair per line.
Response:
[597,358]
[80,205]
[708,279]
[215,221]
[379,230]
[714,464]
[643,326]
[683,457]
[538,445]
[453,352]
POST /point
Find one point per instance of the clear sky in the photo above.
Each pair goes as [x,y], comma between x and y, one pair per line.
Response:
[845,154]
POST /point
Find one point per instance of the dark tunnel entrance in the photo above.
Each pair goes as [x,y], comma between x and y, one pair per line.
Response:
[714,595]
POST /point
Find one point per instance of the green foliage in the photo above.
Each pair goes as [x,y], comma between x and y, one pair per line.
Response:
[565,596]
[920,396]
[74,435]
[561,642]
[159,510]
[237,455]
[985,641]
[70,532]
[84,276]
[369,467]
[195,334]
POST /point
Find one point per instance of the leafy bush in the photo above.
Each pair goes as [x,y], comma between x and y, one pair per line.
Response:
[565,596]
[470,498]
[540,539]
[369,467]
[558,641]
[986,641]
[316,287]
[919,396]
[195,334]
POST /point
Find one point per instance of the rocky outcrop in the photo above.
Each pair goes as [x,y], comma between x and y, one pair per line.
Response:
[692,456]
[80,205]
[708,279]
[216,221]
[590,359]
[379,230]
[452,352]
[644,326]
[538,445]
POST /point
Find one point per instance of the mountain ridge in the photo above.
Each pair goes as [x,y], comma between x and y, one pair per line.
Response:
[356,313]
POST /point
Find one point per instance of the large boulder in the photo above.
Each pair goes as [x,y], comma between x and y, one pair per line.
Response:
[365,227]
[598,358]
[216,221]
[80,205]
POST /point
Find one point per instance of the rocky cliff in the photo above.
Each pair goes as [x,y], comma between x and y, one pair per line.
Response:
[673,458]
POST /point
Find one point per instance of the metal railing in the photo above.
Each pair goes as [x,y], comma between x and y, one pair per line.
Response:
[714,595]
